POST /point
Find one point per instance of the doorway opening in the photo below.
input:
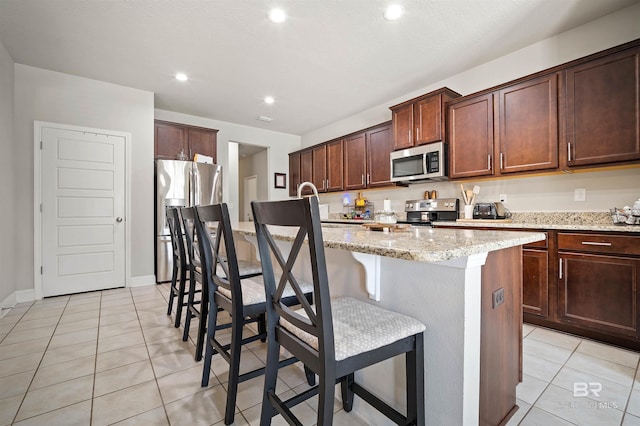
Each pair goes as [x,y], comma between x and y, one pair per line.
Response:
[253,178]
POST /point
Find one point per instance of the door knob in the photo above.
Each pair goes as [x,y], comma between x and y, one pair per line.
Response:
[118,219]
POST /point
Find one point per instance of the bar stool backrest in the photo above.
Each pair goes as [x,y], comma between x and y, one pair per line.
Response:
[303,217]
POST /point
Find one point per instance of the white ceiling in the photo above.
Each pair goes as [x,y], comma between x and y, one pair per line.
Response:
[329,60]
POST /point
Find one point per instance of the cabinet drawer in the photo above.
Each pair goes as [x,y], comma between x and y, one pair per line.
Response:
[539,244]
[601,243]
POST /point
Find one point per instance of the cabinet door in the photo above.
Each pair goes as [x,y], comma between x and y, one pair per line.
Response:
[335,166]
[169,141]
[599,292]
[535,282]
[355,161]
[294,173]
[603,111]
[319,167]
[427,117]
[402,119]
[306,169]
[202,141]
[471,137]
[379,147]
[528,126]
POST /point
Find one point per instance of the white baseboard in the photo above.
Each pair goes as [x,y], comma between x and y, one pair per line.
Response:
[11,300]
[142,281]
[25,296]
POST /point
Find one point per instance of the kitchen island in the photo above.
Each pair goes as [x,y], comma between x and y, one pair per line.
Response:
[448,279]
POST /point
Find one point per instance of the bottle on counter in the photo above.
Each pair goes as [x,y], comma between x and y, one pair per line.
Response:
[361,201]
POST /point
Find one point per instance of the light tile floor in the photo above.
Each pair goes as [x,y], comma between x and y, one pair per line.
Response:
[114,357]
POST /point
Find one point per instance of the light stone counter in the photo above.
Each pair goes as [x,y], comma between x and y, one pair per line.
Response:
[419,243]
[562,221]
[436,276]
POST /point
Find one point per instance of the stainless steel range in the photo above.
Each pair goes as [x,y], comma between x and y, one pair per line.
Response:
[424,212]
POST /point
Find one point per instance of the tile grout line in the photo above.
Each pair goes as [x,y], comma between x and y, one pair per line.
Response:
[155,377]
[550,381]
[624,412]
[24,397]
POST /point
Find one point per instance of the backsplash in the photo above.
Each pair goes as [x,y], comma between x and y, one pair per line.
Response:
[551,193]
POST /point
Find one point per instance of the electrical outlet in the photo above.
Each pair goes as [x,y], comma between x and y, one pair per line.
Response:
[498,297]
[503,198]
[580,194]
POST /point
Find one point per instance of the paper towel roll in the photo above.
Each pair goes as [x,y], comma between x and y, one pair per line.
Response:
[387,205]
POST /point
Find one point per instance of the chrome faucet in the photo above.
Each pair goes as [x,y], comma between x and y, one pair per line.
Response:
[313,187]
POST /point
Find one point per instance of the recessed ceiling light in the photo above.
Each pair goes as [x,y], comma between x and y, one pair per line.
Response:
[277,16]
[393,12]
[269,100]
[181,76]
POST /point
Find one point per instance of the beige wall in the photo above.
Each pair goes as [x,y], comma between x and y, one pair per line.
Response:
[543,193]
[8,257]
[49,96]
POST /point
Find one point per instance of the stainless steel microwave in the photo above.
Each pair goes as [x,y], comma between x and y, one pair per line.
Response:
[425,162]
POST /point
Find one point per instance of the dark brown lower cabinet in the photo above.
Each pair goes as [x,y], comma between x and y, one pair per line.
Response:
[599,292]
[535,282]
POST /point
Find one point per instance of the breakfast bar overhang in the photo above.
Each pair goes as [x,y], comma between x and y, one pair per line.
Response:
[465,285]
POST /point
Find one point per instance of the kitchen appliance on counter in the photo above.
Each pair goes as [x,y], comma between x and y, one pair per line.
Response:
[180,184]
[489,211]
[425,162]
[424,212]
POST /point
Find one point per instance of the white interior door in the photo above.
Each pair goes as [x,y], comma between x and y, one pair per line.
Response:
[250,194]
[83,206]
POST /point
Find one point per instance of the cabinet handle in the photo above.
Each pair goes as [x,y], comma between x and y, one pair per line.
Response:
[368,178]
[489,161]
[324,184]
[362,180]
[593,243]
[501,161]
[568,151]
[417,133]
[409,135]
[560,268]
[327,184]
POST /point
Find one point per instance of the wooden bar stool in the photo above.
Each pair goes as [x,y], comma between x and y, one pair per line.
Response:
[242,297]
[339,336]
[180,265]
[199,308]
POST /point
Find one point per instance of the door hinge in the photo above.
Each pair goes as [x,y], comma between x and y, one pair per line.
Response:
[40,144]
[40,207]
[41,270]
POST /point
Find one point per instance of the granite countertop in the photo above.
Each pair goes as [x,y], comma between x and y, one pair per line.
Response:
[422,244]
[566,221]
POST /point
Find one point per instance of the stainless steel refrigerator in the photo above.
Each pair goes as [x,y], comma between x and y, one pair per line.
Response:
[182,184]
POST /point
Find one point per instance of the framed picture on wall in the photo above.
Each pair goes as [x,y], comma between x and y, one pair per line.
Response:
[280,180]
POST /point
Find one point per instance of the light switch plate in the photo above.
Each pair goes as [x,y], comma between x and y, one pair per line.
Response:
[580,194]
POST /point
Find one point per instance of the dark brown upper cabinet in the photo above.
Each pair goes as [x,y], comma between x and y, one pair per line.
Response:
[514,129]
[470,127]
[420,120]
[335,166]
[603,110]
[367,158]
[294,173]
[171,139]
[527,123]
[379,147]
[319,167]
[355,161]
